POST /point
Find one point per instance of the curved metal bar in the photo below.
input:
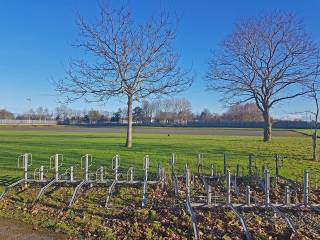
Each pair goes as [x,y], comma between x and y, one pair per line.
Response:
[78,187]
[284,216]
[110,192]
[205,183]
[175,184]
[7,189]
[43,190]
[193,219]
[243,223]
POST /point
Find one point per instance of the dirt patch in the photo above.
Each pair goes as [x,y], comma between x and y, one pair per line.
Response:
[14,230]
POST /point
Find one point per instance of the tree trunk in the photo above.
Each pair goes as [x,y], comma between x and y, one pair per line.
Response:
[314,146]
[267,131]
[129,127]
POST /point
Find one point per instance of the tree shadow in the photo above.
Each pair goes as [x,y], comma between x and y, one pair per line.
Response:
[7,180]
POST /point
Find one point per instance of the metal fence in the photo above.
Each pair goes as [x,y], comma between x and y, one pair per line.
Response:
[27,122]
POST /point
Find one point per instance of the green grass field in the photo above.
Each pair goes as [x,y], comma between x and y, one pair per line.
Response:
[103,146]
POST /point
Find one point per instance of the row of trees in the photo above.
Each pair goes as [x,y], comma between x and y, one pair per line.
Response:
[165,111]
[266,60]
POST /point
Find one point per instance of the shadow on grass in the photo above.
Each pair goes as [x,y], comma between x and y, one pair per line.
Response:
[7,180]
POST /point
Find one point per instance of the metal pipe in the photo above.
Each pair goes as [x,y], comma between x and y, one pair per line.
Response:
[173,160]
[56,166]
[41,173]
[277,165]
[116,167]
[248,196]
[306,188]
[71,174]
[101,174]
[188,182]
[209,196]
[228,179]
[225,164]
[286,195]
[267,187]
[25,167]
[86,167]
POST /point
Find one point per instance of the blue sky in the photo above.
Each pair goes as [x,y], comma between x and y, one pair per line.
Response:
[36,38]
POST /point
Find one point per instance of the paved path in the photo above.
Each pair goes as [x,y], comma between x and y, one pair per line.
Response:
[151,130]
[16,230]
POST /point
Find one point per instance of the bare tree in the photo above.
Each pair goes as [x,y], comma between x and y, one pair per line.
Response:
[314,95]
[243,112]
[125,59]
[183,110]
[266,59]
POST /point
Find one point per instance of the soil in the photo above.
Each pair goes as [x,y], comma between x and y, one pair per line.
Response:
[14,230]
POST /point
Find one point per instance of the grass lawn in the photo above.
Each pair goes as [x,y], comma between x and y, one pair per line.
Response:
[103,146]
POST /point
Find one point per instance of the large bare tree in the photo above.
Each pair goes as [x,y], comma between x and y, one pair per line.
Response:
[124,59]
[266,59]
[314,95]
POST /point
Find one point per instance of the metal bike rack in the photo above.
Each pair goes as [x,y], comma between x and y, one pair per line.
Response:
[85,163]
[146,164]
[174,178]
[39,173]
[130,174]
[284,216]
[58,160]
[115,164]
[78,187]
[193,219]
[243,223]
[43,190]
[24,161]
[200,163]
[110,193]
[100,174]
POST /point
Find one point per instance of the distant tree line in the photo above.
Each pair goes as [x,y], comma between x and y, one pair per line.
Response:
[167,111]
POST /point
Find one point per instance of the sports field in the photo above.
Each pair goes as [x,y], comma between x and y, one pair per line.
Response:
[158,143]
